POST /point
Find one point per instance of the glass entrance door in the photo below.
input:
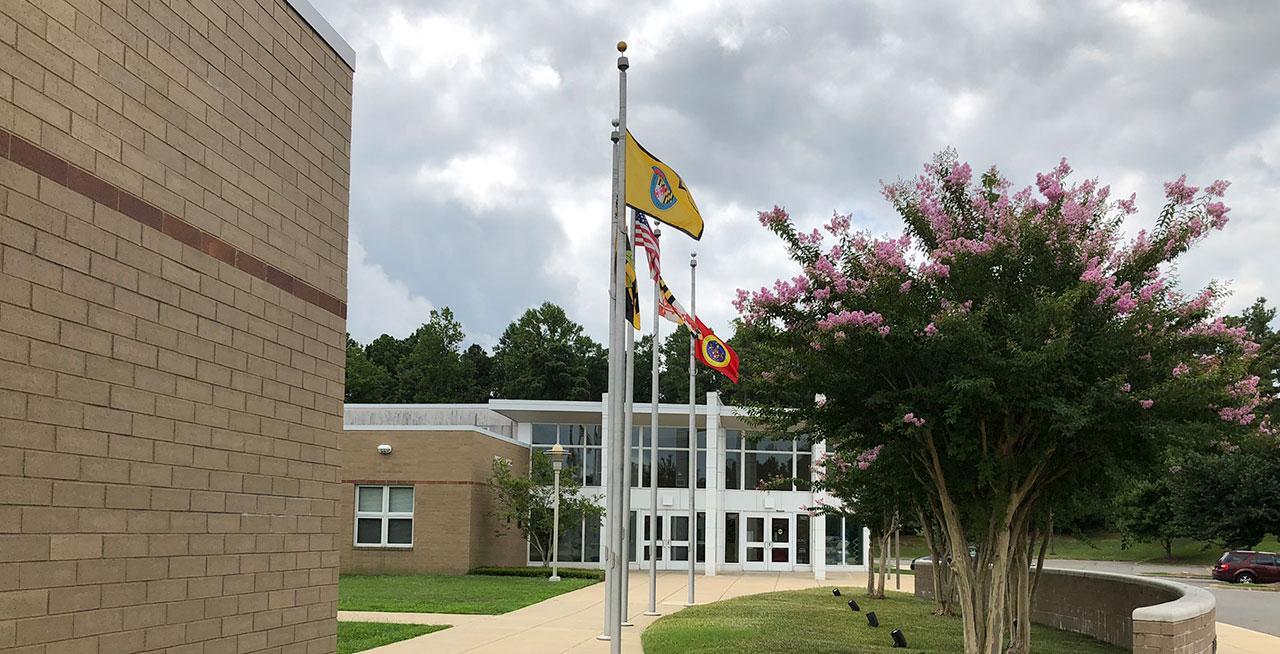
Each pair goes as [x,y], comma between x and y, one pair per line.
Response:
[669,543]
[780,540]
[768,540]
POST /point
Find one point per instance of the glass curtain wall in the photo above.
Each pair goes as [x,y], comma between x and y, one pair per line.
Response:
[759,463]
[579,542]
[844,541]
[673,457]
[583,444]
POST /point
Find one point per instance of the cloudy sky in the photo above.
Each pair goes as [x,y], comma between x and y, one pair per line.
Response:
[480,172]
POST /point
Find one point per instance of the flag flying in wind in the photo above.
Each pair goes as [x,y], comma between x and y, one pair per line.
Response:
[717,355]
[668,306]
[633,289]
[655,189]
[709,349]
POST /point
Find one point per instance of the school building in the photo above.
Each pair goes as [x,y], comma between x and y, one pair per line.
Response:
[415,495]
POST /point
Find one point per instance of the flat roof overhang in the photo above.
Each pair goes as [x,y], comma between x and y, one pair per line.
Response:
[669,415]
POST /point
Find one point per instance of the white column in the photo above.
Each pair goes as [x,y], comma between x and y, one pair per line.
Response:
[714,484]
[820,525]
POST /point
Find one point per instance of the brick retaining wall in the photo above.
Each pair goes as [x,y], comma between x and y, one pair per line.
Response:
[1151,616]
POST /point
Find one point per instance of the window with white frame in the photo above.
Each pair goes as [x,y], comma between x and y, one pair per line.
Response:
[384,516]
[582,443]
[753,461]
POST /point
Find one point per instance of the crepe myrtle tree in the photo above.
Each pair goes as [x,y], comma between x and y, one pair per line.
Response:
[1010,343]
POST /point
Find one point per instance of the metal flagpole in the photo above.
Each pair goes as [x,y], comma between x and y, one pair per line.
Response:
[653,450]
[693,426]
[610,451]
[617,365]
[628,427]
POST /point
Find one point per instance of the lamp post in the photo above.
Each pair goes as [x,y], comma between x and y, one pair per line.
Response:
[557,455]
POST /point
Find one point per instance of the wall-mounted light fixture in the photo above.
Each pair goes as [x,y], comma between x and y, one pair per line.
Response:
[384,449]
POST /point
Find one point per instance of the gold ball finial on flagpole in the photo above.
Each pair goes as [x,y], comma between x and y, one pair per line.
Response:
[622,46]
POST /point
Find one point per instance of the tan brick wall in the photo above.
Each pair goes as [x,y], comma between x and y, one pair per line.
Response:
[1102,605]
[173,220]
[454,528]
[1195,636]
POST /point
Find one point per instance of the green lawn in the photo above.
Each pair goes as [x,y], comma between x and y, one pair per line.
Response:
[472,594]
[1106,547]
[807,621]
[360,636]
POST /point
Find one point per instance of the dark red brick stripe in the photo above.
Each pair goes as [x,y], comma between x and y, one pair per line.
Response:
[55,168]
[413,482]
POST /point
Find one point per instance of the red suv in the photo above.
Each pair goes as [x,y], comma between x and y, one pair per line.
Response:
[1247,567]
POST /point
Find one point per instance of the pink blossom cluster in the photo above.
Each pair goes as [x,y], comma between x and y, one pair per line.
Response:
[930,329]
[1125,387]
[838,224]
[833,459]
[911,419]
[935,270]
[850,318]
[889,255]
[1219,328]
[1050,184]
[869,457]
[1179,191]
[1146,404]
[812,238]
[774,218]
[1245,391]
[1129,205]
[1180,370]
[784,293]
[960,175]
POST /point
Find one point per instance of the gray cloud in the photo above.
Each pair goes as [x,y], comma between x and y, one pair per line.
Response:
[480,176]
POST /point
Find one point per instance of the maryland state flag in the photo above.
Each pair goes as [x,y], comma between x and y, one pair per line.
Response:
[716,354]
[633,290]
[655,189]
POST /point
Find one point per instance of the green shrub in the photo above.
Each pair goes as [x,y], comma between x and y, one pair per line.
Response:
[565,573]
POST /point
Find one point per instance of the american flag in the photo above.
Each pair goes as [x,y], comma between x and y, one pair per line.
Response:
[645,238]
[668,306]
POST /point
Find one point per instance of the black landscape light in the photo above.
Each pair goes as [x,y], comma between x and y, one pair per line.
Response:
[871,619]
[898,639]
[853,605]
[835,591]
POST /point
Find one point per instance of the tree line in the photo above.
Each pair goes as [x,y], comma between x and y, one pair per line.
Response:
[541,355]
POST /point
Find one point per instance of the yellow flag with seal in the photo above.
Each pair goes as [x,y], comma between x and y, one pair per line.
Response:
[656,190]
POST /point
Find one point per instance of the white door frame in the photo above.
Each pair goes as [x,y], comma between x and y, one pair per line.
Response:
[770,550]
[666,523]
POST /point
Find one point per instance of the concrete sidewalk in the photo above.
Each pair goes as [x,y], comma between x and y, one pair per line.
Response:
[569,623]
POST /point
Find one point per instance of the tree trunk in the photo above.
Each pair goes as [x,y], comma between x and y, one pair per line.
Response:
[871,565]
[982,581]
[942,568]
[1021,587]
[1168,549]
